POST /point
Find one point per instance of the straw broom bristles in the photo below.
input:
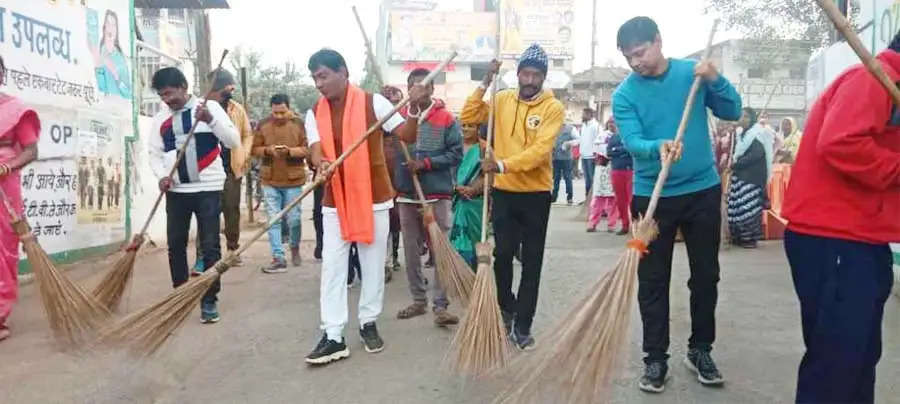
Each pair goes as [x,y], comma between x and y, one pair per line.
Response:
[454,273]
[73,314]
[452,270]
[112,287]
[481,345]
[589,340]
[144,332]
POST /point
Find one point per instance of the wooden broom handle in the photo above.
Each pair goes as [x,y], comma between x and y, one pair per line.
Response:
[222,266]
[9,208]
[376,70]
[181,151]
[841,23]
[489,146]
[371,55]
[685,116]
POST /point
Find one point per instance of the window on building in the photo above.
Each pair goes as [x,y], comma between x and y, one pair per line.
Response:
[176,15]
[477,73]
[798,73]
[757,73]
[559,62]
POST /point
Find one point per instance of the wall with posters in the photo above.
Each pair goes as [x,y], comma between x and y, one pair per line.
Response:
[72,63]
[549,23]
[429,36]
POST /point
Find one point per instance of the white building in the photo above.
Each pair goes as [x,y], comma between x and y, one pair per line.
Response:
[768,75]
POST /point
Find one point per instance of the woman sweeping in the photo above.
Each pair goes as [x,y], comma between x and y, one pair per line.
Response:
[468,200]
[19,131]
[751,171]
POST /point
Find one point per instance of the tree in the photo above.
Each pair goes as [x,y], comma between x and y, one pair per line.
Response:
[370,80]
[773,20]
[265,81]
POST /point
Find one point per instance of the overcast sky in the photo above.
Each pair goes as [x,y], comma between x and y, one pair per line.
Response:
[290,30]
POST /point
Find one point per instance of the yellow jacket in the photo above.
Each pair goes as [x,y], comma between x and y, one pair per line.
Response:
[524,134]
[240,155]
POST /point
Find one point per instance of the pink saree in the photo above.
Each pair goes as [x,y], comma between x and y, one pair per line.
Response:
[19,127]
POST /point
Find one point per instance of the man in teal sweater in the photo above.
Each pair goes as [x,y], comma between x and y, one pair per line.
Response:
[647,107]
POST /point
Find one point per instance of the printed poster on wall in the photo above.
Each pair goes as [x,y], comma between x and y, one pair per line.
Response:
[71,61]
[548,23]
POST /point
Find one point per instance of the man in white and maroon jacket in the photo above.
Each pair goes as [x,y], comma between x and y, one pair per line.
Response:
[196,187]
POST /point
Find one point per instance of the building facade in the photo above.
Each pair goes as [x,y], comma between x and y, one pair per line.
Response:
[769,76]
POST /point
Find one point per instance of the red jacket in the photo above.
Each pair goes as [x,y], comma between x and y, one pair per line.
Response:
[845,183]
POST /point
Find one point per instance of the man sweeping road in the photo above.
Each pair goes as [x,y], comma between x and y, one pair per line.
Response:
[356,201]
[648,108]
[842,207]
[436,152]
[196,189]
[527,121]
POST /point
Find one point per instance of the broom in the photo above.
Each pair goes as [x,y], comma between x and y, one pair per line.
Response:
[145,331]
[454,273]
[480,345]
[111,288]
[588,341]
[71,311]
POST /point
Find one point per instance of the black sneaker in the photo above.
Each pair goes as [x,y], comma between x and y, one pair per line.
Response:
[654,378]
[525,342]
[327,351]
[370,338]
[700,362]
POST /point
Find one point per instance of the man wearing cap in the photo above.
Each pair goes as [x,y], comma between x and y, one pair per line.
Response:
[527,121]
[234,160]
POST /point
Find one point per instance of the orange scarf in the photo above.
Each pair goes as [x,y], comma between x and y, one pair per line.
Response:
[352,192]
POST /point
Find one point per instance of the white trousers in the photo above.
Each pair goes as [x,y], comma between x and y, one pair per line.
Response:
[335,260]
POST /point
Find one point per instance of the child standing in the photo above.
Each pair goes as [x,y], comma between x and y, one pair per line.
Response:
[604,201]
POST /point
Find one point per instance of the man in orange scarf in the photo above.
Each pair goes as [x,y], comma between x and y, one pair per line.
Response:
[357,199]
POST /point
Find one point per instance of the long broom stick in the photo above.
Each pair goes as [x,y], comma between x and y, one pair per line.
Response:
[71,311]
[588,341]
[145,331]
[112,287]
[871,64]
[452,270]
[481,343]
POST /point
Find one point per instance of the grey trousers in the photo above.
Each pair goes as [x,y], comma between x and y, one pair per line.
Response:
[413,231]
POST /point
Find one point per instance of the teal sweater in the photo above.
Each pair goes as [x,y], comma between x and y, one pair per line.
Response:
[648,110]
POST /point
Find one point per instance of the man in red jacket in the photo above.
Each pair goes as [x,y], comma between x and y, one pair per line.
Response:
[843,205]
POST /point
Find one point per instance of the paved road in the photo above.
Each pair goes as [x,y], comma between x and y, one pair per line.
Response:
[269,323]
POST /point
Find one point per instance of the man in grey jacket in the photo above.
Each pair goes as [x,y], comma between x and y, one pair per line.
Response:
[436,153]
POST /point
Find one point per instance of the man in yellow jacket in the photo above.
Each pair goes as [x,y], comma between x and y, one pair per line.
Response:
[527,121]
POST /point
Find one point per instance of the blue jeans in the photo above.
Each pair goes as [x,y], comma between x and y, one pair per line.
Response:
[588,166]
[276,200]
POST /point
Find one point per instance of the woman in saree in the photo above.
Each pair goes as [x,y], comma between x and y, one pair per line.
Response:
[752,168]
[19,131]
[468,201]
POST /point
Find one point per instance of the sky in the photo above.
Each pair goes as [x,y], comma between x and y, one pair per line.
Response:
[291,31]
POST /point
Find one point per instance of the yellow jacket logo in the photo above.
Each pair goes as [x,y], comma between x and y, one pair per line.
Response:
[532,122]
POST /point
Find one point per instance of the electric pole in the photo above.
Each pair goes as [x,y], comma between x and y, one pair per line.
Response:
[593,58]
